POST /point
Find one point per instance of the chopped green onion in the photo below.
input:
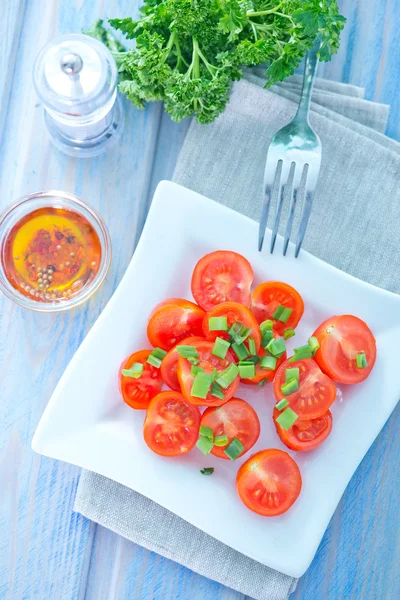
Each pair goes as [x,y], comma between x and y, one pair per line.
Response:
[194,370]
[361,360]
[158,353]
[263,382]
[220,348]
[282,404]
[288,333]
[234,449]
[204,444]
[267,336]
[135,371]
[301,353]
[246,371]
[192,360]
[218,323]
[201,385]
[287,418]
[207,471]
[154,361]
[276,347]
[253,359]
[240,350]
[314,344]
[266,326]
[221,440]
[225,378]
[290,387]
[207,432]
[239,333]
[214,374]
[252,346]
[282,313]
[217,392]
[268,362]
[187,351]
[293,373]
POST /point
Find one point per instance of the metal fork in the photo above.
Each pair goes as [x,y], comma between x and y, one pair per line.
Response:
[293,163]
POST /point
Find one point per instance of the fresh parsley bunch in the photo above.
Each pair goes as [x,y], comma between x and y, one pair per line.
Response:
[188,52]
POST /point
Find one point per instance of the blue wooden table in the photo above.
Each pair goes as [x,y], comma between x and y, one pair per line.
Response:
[47,552]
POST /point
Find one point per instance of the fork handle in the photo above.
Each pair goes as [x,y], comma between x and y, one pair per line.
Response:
[310,69]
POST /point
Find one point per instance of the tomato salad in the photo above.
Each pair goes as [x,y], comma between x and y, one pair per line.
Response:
[203,351]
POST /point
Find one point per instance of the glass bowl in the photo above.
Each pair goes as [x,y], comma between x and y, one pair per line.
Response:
[15,216]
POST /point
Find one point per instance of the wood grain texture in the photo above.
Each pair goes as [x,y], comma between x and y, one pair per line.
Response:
[46,551]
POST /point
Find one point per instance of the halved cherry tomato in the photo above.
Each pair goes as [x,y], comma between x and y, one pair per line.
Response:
[234,312]
[305,435]
[316,390]
[222,276]
[174,320]
[341,339]
[269,482]
[236,419]
[171,427]
[268,296]
[208,362]
[264,374]
[170,364]
[137,393]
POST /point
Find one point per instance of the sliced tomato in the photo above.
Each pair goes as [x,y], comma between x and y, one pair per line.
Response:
[171,427]
[236,419]
[234,312]
[268,296]
[208,362]
[222,276]
[341,339]
[137,393]
[173,320]
[264,374]
[170,364]
[305,435]
[316,390]
[269,482]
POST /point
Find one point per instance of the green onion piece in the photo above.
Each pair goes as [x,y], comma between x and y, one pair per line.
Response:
[301,353]
[287,418]
[204,444]
[214,374]
[314,344]
[221,440]
[361,360]
[218,323]
[289,387]
[266,326]
[207,471]
[282,404]
[207,432]
[234,449]
[276,347]
[268,362]
[220,348]
[158,353]
[201,385]
[246,371]
[154,361]
[288,333]
[263,382]
[268,335]
[282,313]
[187,351]
[193,361]
[239,333]
[225,378]
[293,373]
[135,371]
[240,350]
[194,370]
[252,346]
[253,359]
[217,392]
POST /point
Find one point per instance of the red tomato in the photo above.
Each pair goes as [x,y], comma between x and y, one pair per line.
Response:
[236,419]
[316,390]
[222,276]
[341,339]
[235,313]
[171,427]
[268,296]
[269,482]
[174,320]
[137,393]
[208,362]
[305,435]
[264,374]
[170,364]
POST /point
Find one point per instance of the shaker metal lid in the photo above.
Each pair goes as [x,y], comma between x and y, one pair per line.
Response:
[75,74]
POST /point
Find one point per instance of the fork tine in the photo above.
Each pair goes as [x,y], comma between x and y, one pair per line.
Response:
[288,179]
[271,178]
[299,180]
[308,200]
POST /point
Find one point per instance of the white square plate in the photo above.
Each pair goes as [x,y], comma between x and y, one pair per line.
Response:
[87,424]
